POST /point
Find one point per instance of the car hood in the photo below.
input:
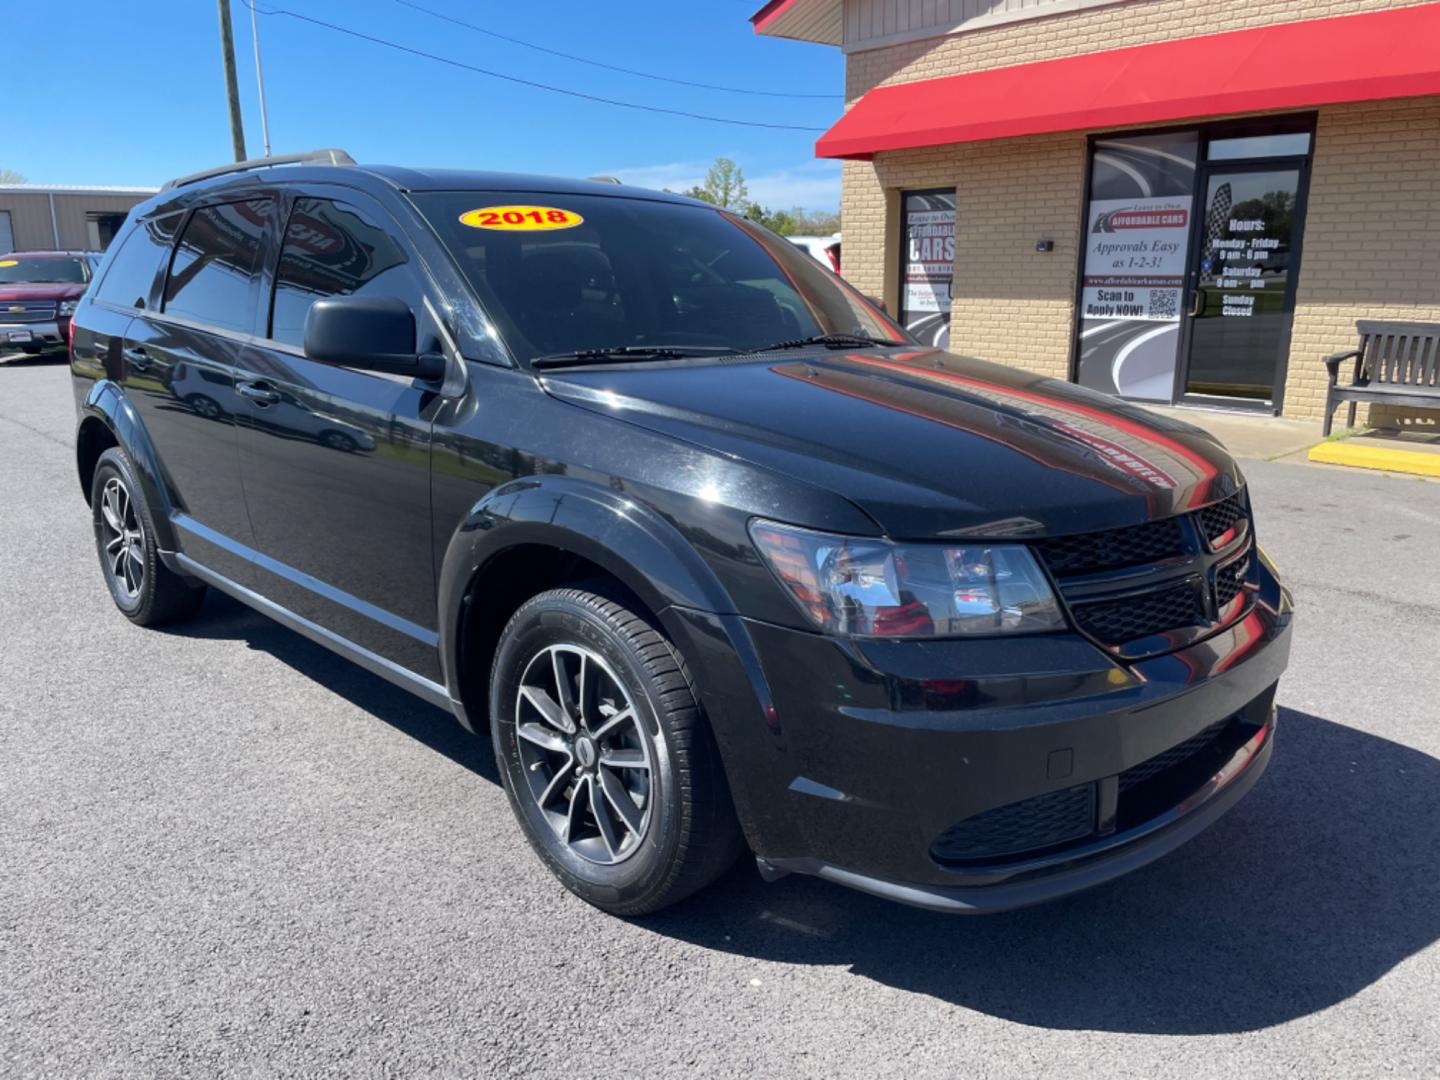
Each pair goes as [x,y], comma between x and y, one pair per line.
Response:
[40,292]
[927,443]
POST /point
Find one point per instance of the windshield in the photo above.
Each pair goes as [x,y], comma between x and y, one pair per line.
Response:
[571,273]
[32,271]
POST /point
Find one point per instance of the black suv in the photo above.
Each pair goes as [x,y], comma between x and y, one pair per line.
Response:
[717,554]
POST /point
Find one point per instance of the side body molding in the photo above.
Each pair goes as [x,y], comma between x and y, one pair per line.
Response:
[107,403]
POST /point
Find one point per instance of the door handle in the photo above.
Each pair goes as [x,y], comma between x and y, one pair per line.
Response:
[137,358]
[1197,303]
[257,392]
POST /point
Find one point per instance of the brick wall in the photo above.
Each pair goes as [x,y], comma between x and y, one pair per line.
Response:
[1372,236]
[1011,303]
[1140,22]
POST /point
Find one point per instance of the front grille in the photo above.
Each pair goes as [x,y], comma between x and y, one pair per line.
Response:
[1058,817]
[1219,518]
[1113,549]
[29,311]
[1153,767]
[1142,616]
[1175,559]
[1230,579]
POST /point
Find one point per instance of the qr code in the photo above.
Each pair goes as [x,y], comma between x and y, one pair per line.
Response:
[1162,303]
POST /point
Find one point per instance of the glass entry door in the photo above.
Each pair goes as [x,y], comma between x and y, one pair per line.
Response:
[1241,288]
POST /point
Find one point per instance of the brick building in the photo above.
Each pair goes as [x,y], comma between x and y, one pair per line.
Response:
[1166,200]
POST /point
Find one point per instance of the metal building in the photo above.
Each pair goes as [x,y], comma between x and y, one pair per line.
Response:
[66,218]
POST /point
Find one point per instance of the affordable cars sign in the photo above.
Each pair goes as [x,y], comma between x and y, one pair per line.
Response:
[1135,258]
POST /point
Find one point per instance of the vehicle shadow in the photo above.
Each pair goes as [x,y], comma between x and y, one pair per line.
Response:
[225,619]
[1311,889]
[42,359]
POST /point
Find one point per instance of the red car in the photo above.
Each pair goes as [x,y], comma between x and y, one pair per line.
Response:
[38,294]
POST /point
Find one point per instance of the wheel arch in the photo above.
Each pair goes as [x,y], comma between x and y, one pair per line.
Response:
[542,532]
[108,419]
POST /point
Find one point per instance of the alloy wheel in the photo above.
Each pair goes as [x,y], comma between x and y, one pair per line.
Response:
[124,539]
[586,759]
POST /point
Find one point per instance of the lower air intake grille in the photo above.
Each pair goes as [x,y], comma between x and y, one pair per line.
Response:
[1031,824]
[1168,759]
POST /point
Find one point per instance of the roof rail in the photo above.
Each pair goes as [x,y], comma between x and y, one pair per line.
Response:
[309,157]
[607,179]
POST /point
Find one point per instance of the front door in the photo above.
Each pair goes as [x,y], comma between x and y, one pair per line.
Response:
[1242,283]
[336,462]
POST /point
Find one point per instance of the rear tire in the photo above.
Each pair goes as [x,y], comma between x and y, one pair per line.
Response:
[618,784]
[146,591]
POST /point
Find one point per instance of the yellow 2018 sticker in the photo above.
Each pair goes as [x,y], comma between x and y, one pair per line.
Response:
[520,218]
[9,262]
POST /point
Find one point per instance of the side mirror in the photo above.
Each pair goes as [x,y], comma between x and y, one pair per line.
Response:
[371,333]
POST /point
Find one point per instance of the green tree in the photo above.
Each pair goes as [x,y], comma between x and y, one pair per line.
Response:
[725,186]
[9,176]
[783,222]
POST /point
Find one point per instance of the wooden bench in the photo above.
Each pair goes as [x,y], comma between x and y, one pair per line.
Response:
[1396,363]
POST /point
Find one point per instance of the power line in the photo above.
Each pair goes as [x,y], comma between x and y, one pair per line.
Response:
[525,82]
[609,67]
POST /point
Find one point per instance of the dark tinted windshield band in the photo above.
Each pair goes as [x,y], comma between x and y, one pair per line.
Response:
[633,273]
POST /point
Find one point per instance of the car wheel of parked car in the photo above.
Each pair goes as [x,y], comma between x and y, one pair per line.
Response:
[609,763]
[204,406]
[146,590]
[338,440]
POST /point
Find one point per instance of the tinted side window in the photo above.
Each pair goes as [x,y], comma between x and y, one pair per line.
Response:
[215,265]
[334,249]
[134,265]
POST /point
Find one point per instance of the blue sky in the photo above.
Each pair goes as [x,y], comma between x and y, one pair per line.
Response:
[136,94]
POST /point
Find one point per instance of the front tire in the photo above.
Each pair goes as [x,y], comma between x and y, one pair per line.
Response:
[146,591]
[610,766]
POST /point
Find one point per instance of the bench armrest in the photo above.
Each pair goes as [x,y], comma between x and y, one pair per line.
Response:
[1335,359]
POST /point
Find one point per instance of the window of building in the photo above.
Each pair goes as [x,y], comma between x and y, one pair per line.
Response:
[213,271]
[927,264]
[101,229]
[1290,144]
[133,266]
[334,249]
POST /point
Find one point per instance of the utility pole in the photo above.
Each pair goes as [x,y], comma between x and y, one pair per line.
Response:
[232,87]
[259,78]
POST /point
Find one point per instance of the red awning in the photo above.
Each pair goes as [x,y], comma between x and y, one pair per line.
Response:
[1383,54]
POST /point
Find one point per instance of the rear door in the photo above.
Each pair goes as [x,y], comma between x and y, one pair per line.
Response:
[179,370]
[336,462]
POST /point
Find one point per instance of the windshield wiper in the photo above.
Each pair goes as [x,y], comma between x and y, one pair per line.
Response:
[827,341]
[627,352]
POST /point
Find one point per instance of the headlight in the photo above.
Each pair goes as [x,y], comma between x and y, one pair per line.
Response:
[67,308]
[872,588]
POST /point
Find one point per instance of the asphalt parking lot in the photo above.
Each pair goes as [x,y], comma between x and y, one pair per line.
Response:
[224,851]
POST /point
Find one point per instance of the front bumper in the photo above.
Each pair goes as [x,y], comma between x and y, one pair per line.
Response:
[41,334]
[863,757]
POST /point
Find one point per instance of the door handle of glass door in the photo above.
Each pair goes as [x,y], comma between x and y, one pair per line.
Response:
[1197,303]
[257,392]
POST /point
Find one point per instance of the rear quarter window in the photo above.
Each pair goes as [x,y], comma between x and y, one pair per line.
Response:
[128,277]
